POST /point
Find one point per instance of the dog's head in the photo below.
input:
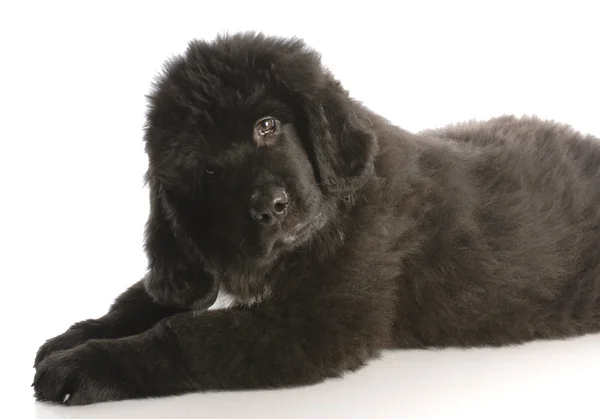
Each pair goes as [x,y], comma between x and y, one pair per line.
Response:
[251,144]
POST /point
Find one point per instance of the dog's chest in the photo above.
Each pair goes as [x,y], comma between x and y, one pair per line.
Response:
[227,300]
[224,300]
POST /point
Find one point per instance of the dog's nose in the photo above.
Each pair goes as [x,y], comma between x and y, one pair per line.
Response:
[269,205]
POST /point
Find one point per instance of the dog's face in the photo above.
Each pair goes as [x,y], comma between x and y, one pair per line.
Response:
[258,194]
[251,144]
[245,183]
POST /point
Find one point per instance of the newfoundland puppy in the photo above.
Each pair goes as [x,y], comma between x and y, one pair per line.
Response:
[294,234]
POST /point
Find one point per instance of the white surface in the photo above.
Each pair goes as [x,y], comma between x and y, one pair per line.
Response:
[72,84]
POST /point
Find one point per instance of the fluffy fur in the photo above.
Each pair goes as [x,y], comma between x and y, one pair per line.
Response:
[475,234]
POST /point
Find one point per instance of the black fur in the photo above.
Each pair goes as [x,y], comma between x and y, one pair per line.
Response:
[476,234]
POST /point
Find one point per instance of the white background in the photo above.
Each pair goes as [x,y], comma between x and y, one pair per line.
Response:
[72,85]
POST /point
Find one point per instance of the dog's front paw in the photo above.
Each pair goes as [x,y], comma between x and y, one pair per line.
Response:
[70,339]
[78,376]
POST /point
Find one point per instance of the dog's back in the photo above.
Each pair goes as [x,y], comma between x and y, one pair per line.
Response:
[506,218]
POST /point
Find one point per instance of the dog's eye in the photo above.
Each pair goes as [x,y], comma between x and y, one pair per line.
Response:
[266,126]
[210,172]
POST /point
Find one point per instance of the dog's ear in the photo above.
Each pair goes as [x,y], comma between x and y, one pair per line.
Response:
[341,143]
[176,275]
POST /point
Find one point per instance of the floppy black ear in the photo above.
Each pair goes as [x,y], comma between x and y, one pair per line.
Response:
[176,275]
[341,142]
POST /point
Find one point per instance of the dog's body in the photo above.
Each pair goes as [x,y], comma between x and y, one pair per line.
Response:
[335,234]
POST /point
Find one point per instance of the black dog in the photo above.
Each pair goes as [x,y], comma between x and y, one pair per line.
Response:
[331,233]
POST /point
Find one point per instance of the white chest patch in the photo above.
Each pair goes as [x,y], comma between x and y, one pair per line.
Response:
[224,300]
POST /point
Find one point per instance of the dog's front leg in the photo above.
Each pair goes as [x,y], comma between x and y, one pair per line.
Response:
[242,348]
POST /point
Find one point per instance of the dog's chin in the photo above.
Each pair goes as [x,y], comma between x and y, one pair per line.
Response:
[284,241]
[261,254]
[303,232]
